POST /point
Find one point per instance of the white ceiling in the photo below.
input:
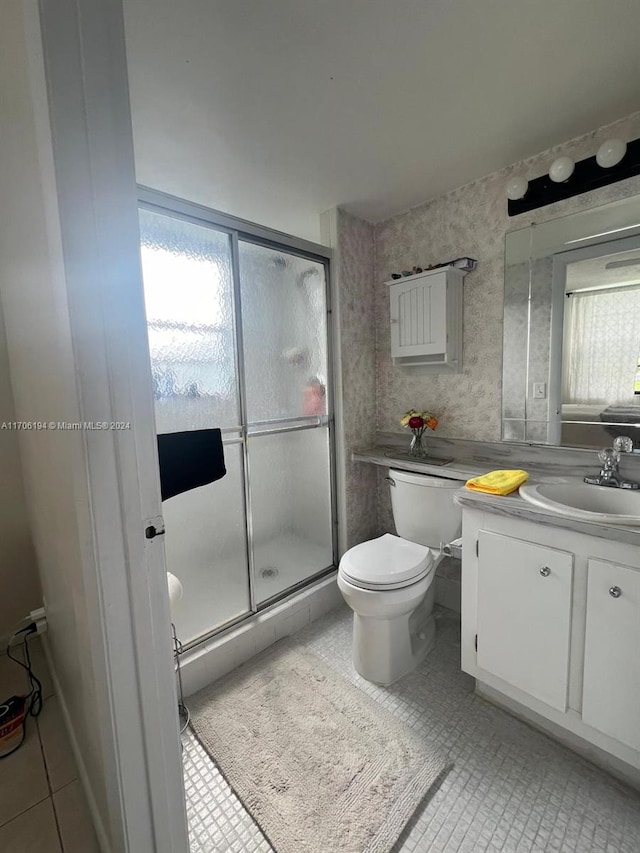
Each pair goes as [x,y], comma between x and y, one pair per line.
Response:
[276,110]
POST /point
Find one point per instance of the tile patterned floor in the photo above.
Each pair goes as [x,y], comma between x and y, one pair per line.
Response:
[42,807]
[511,788]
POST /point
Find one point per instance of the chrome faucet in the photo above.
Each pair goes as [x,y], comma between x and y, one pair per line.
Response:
[609,474]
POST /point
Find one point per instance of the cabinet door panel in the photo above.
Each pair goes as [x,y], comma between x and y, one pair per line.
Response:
[419,316]
[524,615]
[611,692]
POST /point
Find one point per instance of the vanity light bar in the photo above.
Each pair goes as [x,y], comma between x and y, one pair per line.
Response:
[587,175]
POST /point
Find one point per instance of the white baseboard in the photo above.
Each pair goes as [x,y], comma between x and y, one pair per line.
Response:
[97,819]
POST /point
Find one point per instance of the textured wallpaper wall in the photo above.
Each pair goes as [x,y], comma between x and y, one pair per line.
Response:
[471,220]
[355,258]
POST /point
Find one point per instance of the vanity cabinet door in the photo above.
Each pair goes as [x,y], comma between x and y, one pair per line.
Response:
[611,691]
[524,615]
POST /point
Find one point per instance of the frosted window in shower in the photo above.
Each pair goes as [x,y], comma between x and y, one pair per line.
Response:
[284,333]
[188,288]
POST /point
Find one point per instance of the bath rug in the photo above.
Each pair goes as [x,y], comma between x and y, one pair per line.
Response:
[319,765]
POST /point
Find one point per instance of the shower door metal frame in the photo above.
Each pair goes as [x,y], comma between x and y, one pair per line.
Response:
[240,230]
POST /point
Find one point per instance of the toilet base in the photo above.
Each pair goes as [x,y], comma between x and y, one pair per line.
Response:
[386,649]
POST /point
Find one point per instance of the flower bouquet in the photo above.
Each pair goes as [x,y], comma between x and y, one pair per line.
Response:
[418,422]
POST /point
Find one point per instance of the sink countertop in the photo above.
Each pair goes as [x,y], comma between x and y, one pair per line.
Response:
[456,470]
[459,468]
[516,507]
[510,505]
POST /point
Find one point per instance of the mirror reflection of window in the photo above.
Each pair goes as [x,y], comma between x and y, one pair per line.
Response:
[602,339]
[570,363]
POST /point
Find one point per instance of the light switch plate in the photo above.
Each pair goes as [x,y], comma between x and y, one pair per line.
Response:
[539,390]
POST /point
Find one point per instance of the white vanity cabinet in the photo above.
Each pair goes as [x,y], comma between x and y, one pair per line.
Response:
[426,320]
[524,615]
[612,651]
[551,630]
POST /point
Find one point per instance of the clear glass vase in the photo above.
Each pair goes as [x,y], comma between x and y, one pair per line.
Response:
[418,446]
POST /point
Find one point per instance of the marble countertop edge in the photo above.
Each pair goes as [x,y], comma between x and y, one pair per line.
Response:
[460,468]
[507,505]
[516,507]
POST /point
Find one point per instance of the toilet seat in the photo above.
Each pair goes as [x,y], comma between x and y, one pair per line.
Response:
[386,563]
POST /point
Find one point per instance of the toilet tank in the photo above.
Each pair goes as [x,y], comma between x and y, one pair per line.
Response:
[423,507]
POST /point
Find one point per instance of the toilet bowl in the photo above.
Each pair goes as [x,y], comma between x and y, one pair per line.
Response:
[384,581]
[388,581]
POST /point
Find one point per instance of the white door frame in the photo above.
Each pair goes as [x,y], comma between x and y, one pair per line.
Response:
[92,151]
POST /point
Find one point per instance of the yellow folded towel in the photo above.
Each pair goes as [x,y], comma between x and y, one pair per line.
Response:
[498,482]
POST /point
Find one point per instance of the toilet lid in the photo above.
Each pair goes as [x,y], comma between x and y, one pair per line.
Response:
[386,560]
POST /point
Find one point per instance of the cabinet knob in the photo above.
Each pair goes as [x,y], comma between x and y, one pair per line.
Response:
[615,591]
[545,571]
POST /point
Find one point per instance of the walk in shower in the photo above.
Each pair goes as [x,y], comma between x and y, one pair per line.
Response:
[239,339]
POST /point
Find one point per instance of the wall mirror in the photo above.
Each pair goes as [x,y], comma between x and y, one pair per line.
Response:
[571,363]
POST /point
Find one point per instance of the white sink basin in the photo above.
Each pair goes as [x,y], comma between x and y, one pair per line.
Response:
[579,500]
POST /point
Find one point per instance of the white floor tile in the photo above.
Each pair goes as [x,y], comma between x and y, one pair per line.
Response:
[511,789]
[76,829]
[33,831]
[23,780]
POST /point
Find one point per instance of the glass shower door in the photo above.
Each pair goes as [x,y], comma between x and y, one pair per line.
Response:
[284,341]
[189,295]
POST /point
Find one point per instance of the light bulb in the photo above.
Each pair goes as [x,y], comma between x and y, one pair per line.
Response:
[517,187]
[561,169]
[611,153]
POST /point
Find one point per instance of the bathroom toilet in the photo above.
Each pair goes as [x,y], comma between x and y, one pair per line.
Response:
[388,581]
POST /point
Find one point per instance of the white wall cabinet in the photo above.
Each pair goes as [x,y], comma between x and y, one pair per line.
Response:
[612,651]
[524,615]
[426,320]
[551,630]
